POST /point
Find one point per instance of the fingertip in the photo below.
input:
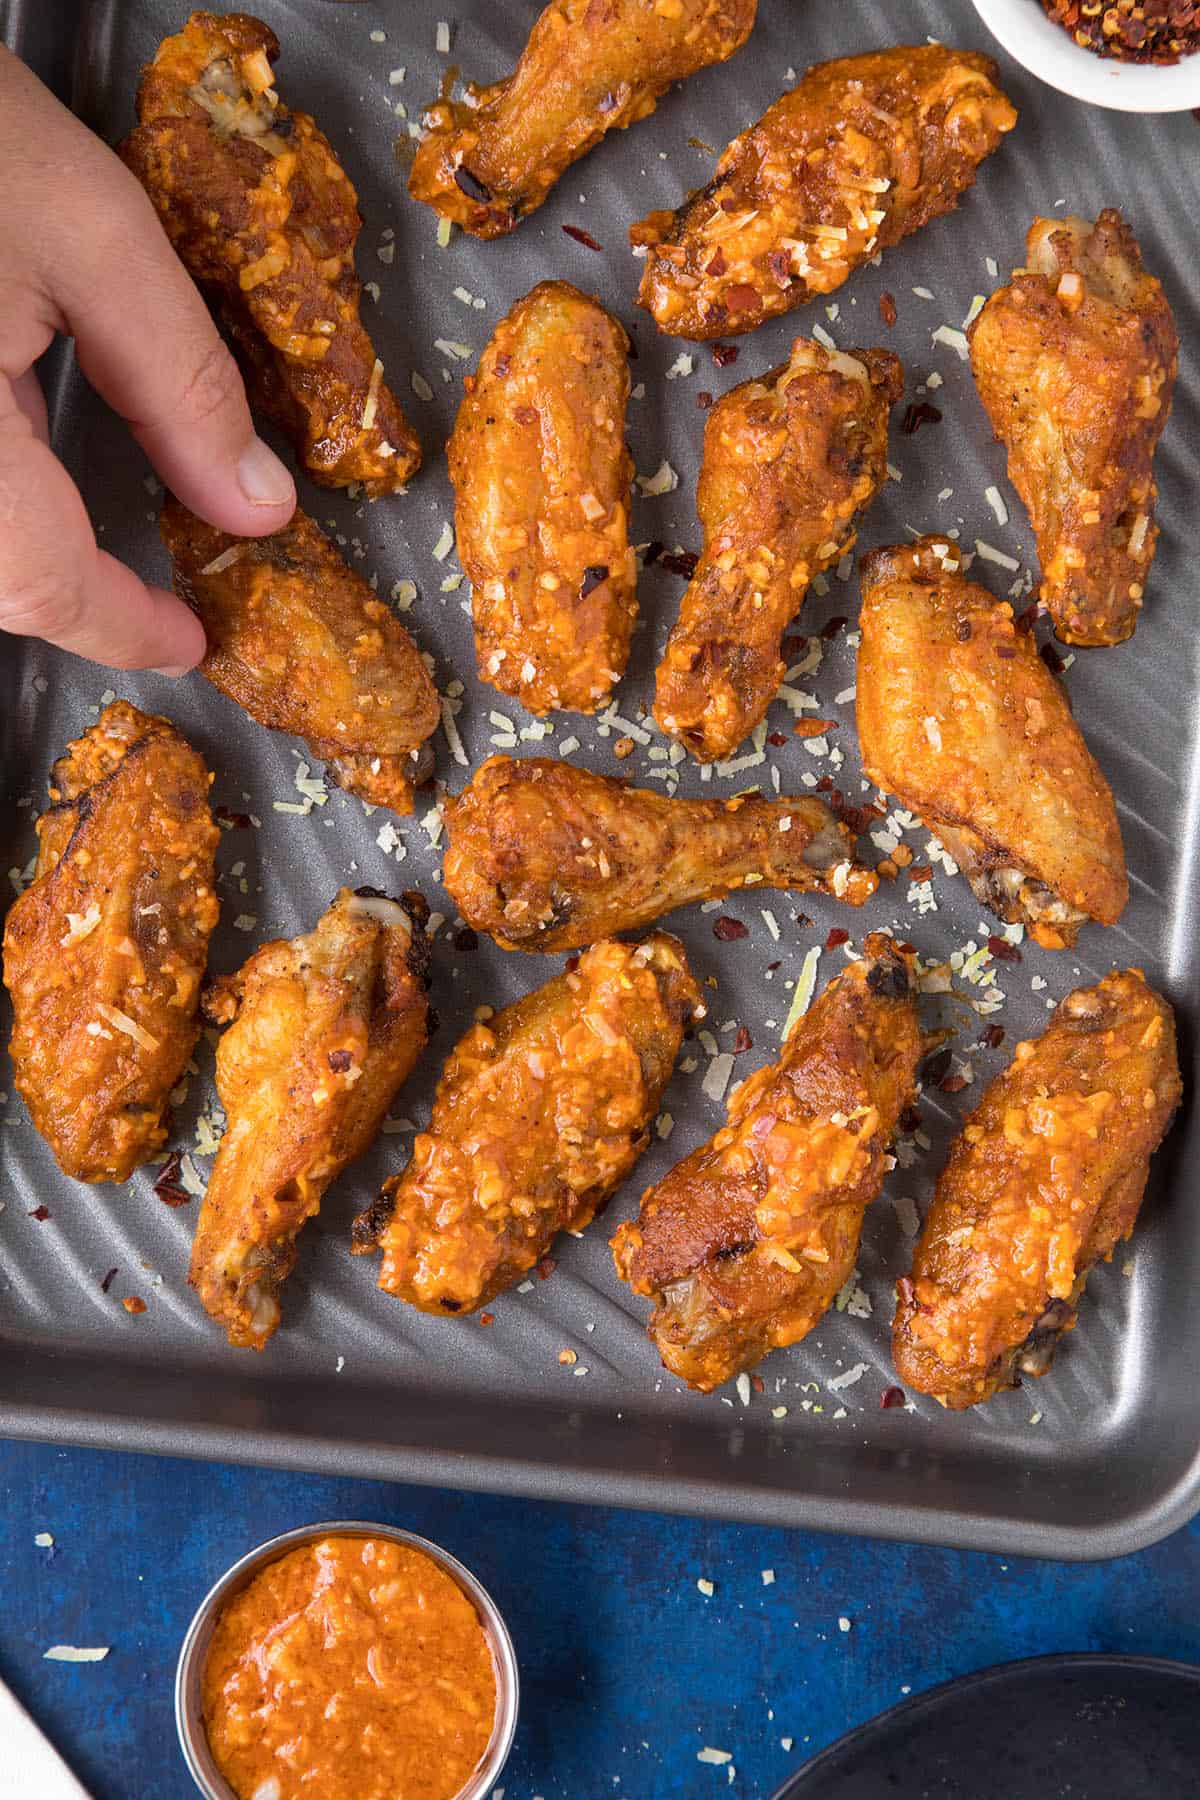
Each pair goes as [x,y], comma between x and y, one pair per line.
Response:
[264,479]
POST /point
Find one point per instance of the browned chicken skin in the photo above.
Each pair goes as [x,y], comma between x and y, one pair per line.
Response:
[544,855]
[322,1032]
[264,217]
[961,720]
[300,640]
[1045,1179]
[1075,361]
[104,951]
[541,477]
[589,67]
[790,462]
[864,151]
[540,1114]
[744,1245]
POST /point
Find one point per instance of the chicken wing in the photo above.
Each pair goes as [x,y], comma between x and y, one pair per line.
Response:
[589,67]
[322,1032]
[104,951]
[542,477]
[790,462]
[545,855]
[299,640]
[265,218]
[743,1246]
[866,150]
[961,720]
[1044,1180]
[1075,361]
[540,1114]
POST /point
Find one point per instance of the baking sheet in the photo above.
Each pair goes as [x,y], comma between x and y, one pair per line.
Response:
[1098,1458]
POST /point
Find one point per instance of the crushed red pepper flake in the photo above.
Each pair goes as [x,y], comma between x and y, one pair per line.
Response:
[887,309]
[811,728]
[582,237]
[758,1384]
[546,1267]
[742,1042]
[921,872]
[777,738]
[918,413]
[40,1213]
[680,562]
[891,1396]
[724,354]
[486,1318]
[992,1036]
[108,1280]
[704,399]
[133,1303]
[728,929]
[837,937]
[168,1188]
[1144,31]
[1003,951]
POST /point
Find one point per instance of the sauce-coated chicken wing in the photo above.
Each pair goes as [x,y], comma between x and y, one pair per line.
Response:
[301,641]
[265,218]
[104,951]
[1075,361]
[545,855]
[1044,1180]
[743,1246]
[325,1028]
[542,477]
[540,1114]
[961,720]
[790,462]
[589,67]
[866,150]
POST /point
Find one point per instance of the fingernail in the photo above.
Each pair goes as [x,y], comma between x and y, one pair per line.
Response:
[183,669]
[262,477]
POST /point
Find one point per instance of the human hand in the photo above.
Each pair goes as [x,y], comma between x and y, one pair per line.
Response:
[82,252]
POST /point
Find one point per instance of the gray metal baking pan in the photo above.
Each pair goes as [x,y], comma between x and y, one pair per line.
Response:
[1099,1458]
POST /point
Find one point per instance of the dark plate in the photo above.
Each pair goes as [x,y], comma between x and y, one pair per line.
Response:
[1052,1728]
[1095,1460]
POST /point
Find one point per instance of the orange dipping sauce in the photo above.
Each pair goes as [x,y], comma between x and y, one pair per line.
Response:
[351,1669]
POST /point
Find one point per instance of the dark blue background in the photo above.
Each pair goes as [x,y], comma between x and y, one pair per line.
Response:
[627,1669]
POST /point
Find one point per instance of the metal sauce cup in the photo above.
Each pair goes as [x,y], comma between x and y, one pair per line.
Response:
[189,1719]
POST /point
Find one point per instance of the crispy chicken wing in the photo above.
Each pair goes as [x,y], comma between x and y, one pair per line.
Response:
[265,218]
[540,1114]
[866,150]
[541,477]
[1044,1180]
[589,67]
[1075,361]
[961,720]
[324,1030]
[545,855]
[743,1246]
[104,951]
[299,640]
[790,462]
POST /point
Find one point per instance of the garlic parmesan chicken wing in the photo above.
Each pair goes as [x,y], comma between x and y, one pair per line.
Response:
[1045,1179]
[790,462]
[589,67]
[743,1246]
[540,1114]
[104,951]
[960,719]
[544,855]
[542,477]
[303,644]
[1075,361]
[866,150]
[265,218]
[324,1030]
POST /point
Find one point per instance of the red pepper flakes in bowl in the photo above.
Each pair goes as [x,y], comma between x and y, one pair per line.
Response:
[1146,31]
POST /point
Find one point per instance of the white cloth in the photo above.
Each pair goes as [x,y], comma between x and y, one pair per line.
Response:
[29,1763]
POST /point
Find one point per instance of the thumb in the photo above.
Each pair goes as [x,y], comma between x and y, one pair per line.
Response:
[56,583]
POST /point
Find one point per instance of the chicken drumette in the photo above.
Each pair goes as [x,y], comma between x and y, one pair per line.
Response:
[1075,361]
[323,1029]
[542,478]
[545,855]
[863,152]
[301,641]
[104,951]
[961,720]
[589,67]
[262,213]
[540,1114]
[1045,1179]
[790,462]
[743,1246]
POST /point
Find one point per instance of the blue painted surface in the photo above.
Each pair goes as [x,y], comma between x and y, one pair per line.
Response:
[628,1670]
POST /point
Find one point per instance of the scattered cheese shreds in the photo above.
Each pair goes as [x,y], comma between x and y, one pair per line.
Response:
[995,500]
[718,1757]
[946,334]
[836,1383]
[445,543]
[73,1654]
[663,481]
[806,981]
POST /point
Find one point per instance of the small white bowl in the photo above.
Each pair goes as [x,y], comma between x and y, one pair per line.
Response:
[1050,53]
[189,1718]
